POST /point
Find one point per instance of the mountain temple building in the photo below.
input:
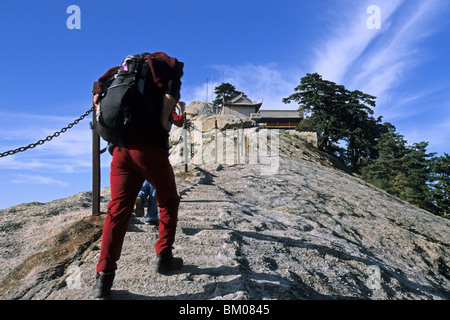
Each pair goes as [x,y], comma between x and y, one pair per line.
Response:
[270,119]
[241,106]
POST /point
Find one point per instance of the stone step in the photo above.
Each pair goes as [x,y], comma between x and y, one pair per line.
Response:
[193,226]
[199,218]
[205,194]
[214,206]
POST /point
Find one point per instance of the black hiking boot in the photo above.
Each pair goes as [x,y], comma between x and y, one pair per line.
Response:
[139,209]
[102,287]
[166,262]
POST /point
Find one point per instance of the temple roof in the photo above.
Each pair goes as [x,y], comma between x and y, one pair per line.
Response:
[242,101]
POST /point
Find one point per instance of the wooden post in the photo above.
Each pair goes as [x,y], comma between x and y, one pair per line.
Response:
[246,147]
[95,160]
[185,143]
[238,147]
[216,137]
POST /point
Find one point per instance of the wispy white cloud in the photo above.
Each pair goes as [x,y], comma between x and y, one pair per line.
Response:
[386,63]
[399,51]
[348,39]
[431,99]
[259,82]
[374,61]
[14,163]
[370,60]
[69,152]
[38,179]
[436,134]
[54,163]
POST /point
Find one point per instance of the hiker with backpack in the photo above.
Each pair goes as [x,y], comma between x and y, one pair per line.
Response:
[135,101]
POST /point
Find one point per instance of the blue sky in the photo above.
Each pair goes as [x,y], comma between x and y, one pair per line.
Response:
[262,47]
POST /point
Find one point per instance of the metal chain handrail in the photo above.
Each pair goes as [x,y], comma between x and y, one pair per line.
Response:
[48,138]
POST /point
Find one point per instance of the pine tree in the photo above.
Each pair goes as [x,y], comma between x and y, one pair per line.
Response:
[414,187]
[440,184]
[388,170]
[338,116]
[225,92]
[319,101]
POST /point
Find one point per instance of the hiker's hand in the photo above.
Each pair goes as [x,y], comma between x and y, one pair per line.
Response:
[94,99]
[181,106]
[168,103]
[96,104]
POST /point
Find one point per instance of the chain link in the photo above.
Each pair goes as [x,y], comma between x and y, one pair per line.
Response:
[48,138]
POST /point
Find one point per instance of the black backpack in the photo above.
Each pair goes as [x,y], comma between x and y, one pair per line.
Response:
[123,104]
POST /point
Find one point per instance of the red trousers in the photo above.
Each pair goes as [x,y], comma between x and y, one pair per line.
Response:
[129,168]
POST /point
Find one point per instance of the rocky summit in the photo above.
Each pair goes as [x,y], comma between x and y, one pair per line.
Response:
[308,231]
